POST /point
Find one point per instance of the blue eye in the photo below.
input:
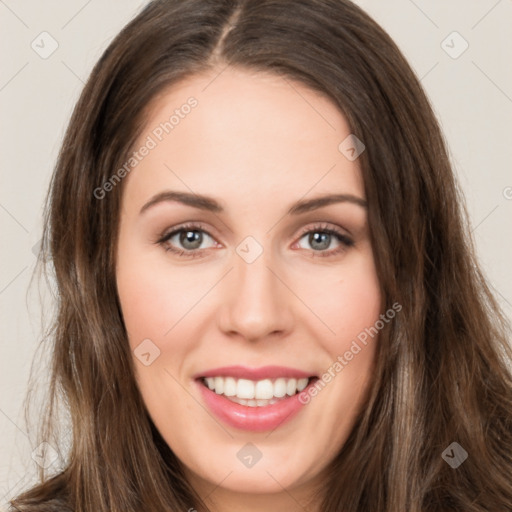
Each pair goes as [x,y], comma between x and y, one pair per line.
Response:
[191,237]
[320,238]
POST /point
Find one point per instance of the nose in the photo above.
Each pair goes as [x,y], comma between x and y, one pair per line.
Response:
[258,301]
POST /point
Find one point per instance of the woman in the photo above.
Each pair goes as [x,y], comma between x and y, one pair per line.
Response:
[268,297]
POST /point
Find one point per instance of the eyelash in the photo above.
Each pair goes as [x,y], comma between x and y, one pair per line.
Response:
[344,240]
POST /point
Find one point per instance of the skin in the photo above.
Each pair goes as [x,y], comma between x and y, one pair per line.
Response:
[256,143]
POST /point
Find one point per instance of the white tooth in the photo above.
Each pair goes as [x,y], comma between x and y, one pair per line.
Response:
[291,387]
[280,388]
[229,386]
[259,393]
[302,383]
[264,389]
[219,385]
[245,388]
[252,403]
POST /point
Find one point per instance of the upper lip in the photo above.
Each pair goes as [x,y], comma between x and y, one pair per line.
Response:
[263,372]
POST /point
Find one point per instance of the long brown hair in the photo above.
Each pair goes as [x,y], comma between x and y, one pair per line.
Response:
[443,371]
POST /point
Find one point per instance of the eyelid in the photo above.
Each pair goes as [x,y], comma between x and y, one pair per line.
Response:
[324,226]
[191,226]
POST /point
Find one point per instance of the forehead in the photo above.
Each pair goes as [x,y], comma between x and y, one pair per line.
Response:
[249,135]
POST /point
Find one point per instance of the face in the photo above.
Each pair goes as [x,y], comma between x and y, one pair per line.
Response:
[238,304]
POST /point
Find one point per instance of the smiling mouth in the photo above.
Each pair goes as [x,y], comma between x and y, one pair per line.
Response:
[260,393]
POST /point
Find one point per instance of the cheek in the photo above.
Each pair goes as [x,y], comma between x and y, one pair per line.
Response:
[153,300]
[358,304]
[349,312]
[347,300]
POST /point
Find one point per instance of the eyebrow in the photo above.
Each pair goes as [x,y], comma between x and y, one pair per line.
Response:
[209,204]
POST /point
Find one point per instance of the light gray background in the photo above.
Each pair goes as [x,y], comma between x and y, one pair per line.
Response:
[471,94]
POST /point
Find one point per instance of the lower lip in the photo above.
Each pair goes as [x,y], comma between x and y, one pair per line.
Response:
[255,419]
